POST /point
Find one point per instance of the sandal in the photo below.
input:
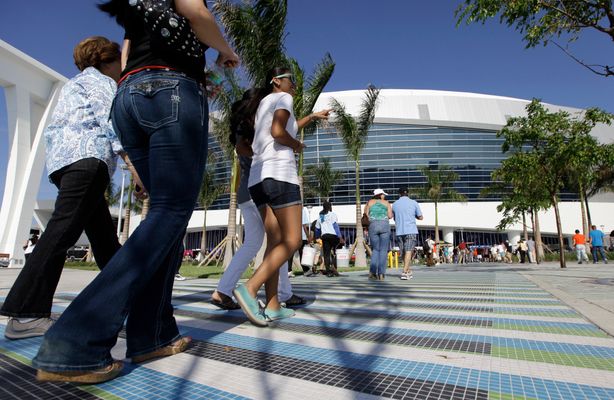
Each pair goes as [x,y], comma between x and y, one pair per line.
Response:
[226,303]
[176,347]
[96,376]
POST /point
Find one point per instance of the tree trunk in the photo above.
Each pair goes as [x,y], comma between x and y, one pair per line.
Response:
[145,209]
[525,232]
[559,231]
[589,222]
[436,228]
[583,211]
[203,240]
[127,212]
[231,237]
[539,246]
[359,245]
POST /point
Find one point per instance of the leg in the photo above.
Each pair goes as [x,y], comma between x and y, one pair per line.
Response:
[375,249]
[101,233]
[80,185]
[254,236]
[384,242]
[326,249]
[83,337]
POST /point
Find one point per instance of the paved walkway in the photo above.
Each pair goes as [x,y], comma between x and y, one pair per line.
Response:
[473,332]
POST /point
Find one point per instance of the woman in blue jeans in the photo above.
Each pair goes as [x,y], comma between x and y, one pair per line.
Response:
[379,212]
[160,114]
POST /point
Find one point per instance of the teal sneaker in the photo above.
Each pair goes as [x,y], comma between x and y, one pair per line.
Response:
[250,306]
[282,313]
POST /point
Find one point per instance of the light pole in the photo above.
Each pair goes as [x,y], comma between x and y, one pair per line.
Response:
[123,168]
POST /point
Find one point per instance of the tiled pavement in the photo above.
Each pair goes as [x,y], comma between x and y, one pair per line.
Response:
[476,332]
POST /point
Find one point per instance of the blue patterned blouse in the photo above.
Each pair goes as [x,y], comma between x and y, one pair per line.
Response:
[80,126]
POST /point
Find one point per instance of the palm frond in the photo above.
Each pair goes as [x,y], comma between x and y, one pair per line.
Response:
[367,111]
[347,129]
[317,81]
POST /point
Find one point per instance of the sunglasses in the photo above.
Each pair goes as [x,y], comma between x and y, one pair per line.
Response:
[289,76]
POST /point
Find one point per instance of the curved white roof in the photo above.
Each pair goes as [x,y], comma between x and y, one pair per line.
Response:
[443,108]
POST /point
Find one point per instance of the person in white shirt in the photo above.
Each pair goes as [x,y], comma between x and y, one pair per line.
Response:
[328,230]
[274,188]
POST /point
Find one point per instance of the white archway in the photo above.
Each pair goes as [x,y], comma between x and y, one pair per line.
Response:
[31,90]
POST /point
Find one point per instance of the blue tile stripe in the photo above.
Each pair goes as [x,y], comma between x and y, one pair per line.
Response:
[567,348]
[136,382]
[493,381]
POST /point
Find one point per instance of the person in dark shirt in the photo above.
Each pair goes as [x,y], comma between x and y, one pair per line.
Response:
[161,116]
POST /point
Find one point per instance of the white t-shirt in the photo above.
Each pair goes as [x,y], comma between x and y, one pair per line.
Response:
[271,159]
[327,225]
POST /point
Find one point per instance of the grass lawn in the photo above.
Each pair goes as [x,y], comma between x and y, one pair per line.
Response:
[194,271]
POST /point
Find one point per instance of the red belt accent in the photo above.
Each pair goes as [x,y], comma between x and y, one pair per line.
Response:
[134,71]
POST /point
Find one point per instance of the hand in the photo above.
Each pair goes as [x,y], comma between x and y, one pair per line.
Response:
[299,147]
[324,114]
[139,189]
[227,60]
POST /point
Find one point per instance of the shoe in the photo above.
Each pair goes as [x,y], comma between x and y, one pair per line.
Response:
[178,346]
[290,274]
[96,376]
[179,277]
[272,315]
[293,301]
[404,277]
[308,273]
[579,262]
[381,277]
[250,306]
[226,303]
[372,276]
[16,330]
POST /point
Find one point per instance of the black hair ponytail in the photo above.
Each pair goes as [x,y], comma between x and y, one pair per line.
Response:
[115,9]
[243,112]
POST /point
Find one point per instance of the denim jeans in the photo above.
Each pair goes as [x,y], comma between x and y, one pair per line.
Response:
[161,119]
[80,205]
[379,234]
[596,250]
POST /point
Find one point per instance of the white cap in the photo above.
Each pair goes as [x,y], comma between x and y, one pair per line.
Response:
[379,191]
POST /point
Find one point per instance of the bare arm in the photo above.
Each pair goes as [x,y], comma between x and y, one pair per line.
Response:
[279,133]
[313,117]
[125,53]
[206,29]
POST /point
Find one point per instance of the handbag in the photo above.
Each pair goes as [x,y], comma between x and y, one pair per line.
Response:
[364,221]
[167,29]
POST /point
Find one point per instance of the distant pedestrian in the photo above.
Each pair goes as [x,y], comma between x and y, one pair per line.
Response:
[405,212]
[579,242]
[328,230]
[522,249]
[596,241]
[379,212]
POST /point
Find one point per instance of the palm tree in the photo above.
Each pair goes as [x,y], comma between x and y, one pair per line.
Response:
[320,179]
[130,206]
[354,133]
[438,188]
[306,94]
[210,190]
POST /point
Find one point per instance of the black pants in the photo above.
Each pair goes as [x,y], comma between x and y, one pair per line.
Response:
[329,242]
[80,205]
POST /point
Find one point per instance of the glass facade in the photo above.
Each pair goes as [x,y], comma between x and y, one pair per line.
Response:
[393,152]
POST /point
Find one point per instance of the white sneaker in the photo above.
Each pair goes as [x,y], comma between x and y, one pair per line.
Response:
[404,276]
[179,277]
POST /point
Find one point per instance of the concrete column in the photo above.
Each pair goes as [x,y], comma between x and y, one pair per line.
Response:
[448,235]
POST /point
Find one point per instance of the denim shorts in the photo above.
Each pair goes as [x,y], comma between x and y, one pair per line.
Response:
[275,194]
[407,242]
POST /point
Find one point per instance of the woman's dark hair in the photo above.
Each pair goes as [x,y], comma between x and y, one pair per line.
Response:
[115,9]
[243,112]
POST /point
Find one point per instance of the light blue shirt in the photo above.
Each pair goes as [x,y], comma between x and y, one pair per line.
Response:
[596,237]
[405,212]
[80,127]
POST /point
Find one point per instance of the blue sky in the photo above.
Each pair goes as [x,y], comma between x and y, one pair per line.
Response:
[404,44]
